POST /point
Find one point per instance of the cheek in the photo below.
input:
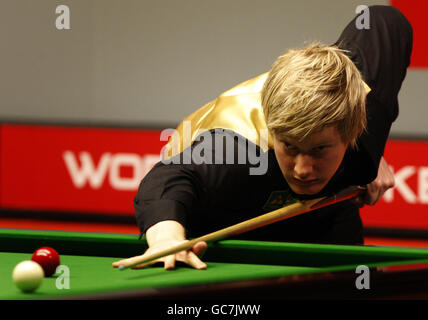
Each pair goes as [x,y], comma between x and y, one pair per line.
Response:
[330,164]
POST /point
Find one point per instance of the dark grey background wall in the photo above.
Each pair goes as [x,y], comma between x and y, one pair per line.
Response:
[152,62]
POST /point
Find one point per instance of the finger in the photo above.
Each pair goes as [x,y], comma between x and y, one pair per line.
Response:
[369,199]
[169,262]
[194,261]
[200,248]
[116,264]
[372,195]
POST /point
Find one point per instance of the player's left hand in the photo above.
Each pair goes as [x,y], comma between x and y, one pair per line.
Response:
[375,190]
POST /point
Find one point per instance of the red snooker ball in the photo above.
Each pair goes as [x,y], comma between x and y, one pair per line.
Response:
[48,259]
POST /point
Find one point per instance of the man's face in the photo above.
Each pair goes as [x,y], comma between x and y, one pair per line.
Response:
[310,164]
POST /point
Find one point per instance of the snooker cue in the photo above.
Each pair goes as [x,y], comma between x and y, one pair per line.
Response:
[283,213]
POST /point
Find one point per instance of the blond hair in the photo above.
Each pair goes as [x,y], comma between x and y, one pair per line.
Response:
[312,88]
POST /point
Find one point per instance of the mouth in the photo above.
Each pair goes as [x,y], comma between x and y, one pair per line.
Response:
[305,183]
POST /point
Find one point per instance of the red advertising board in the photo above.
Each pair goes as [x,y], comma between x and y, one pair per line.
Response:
[406,205]
[79,169]
[416,11]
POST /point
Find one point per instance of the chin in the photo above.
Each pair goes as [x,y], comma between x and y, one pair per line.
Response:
[306,190]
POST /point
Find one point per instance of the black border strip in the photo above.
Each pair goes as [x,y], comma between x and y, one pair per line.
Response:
[60,216]
[408,137]
[91,124]
[421,234]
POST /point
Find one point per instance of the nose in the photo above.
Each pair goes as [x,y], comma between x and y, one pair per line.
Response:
[303,167]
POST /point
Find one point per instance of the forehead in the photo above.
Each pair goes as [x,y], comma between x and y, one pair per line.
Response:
[328,135]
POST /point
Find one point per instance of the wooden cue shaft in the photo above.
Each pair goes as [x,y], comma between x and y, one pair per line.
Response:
[283,213]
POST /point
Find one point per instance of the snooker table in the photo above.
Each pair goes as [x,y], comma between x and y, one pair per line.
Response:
[236,268]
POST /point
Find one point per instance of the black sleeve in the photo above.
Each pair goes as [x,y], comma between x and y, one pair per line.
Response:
[382,54]
[361,164]
[166,193]
[172,191]
[169,191]
[374,139]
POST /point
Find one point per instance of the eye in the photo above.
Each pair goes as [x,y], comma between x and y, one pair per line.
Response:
[289,146]
[290,149]
[319,150]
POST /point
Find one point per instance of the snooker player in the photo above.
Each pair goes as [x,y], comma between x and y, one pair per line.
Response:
[328,111]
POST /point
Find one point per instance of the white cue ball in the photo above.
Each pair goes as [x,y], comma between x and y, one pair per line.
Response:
[28,275]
